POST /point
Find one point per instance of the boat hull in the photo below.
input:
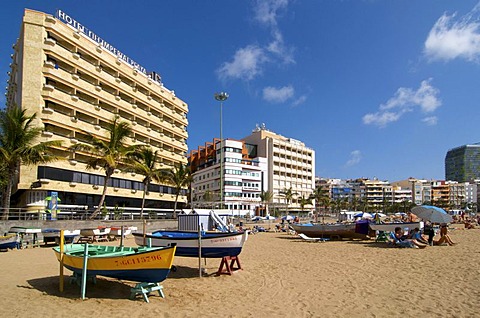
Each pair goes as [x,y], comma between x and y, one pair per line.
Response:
[95,232]
[390,227]
[53,235]
[214,244]
[339,230]
[10,241]
[148,265]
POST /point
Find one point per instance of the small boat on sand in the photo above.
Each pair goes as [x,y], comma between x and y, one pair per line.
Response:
[117,231]
[53,235]
[91,235]
[214,244]
[138,264]
[336,230]
[100,231]
[9,241]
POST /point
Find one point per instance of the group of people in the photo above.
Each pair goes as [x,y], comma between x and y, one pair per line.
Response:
[416,239]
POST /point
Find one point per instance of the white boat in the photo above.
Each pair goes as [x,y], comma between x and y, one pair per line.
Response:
[94,235]
[9,241]
[53,235]
[117,231]
[214,244]
[95,231]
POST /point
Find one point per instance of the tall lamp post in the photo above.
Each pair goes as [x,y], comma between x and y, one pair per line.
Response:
[221,97]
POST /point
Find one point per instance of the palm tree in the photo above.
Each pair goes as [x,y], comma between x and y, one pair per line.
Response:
[144,162]
[18,147]
[266,197]
[288,195]
[354,203]
[179,177]
[304,201]
[207,196]
[108,154]
[321,197]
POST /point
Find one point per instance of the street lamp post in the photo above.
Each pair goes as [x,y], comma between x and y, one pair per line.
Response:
[221,97]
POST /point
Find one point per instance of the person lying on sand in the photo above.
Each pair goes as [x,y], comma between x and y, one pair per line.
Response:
[417,235]
[399,240]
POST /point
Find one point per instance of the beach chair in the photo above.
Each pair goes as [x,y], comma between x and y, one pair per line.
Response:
[394,242]
[310,239]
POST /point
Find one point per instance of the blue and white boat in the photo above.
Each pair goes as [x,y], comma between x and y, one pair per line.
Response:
[9,241]
[214,244]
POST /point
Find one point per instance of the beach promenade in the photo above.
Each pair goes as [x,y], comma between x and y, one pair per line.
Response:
[283,276]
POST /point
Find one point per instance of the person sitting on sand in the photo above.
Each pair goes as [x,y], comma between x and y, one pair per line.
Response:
[444,237]
[417,235]
[399,240]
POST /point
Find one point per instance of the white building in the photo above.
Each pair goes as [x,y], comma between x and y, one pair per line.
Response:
[243,176]
[291,164]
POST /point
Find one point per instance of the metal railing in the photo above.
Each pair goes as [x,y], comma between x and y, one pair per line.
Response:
[85,214]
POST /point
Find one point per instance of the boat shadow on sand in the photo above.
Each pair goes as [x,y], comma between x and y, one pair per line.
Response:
[104,288]
[371,244]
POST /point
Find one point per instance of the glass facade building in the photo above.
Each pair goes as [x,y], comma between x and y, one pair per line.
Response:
[462,164]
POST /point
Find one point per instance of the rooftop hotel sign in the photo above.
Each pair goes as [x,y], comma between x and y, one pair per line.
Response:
[62,16]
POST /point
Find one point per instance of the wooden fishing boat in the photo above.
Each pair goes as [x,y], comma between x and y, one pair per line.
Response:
[100,231]
[336,230]
[117,231]
[53,235]
[9,241]
[24,230]
[91,235]
[390,227]
[214,244]
[138,264]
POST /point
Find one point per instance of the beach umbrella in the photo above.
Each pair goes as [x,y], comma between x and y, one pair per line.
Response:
[432,213]
[288,217]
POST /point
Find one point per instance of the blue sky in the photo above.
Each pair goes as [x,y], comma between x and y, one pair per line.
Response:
[377,88]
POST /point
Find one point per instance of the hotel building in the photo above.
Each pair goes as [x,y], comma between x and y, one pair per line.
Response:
[290,164]
[76,83]
[243,176]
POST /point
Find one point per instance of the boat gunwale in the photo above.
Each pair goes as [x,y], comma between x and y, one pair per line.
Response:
[214,236]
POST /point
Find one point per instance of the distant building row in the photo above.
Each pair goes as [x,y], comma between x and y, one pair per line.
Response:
[377,195]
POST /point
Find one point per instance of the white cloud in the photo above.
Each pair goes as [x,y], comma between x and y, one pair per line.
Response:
[278,48]
[405,100]
[452,38]
[266,11]
[278,95]
[430,121]
[246,64]
[355,157]
[300,100]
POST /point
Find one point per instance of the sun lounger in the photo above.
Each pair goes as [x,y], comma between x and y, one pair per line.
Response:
[311,239]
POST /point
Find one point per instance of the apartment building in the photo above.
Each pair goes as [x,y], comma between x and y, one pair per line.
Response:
[76,82]
[243,176]
[291,164]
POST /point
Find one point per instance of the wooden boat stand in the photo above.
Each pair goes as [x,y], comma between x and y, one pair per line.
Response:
[229,262]
[77,279]
[144,289]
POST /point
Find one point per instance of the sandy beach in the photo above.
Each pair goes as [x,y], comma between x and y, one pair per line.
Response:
[282,276]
